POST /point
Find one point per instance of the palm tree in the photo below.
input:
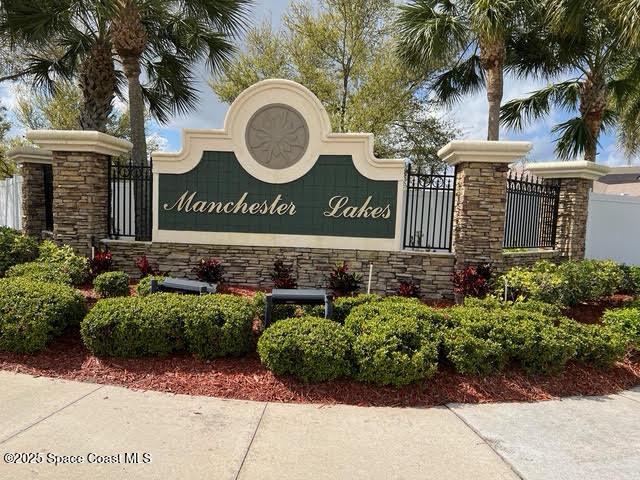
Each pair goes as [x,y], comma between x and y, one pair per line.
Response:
[581,41]
[466,42]
[165,39]
[169,38]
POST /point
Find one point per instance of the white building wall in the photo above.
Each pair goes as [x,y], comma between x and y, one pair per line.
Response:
[11,202]
[613,228]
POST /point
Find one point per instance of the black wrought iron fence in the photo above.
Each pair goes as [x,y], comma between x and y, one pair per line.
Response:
[130,197]
[532,212]
[429,203]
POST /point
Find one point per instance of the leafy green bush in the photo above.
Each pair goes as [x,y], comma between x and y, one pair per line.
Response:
[391,308]
[589,280]
[32,312]
[136,326]
[41,272]
[312,349]
[15,248]
[569,283]
[144,285]
[492,303]
[535,342]
[342,306]
[630,280]
[76,266]
[396,341]
[112,284]
[219,325]
[470,344]
[395,351]
[599,345]
[627,321]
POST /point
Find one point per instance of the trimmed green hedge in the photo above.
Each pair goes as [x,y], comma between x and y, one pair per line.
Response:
[32,313]
[219,325]
[311,349]
[136,326]
[626,321]
[568,284]
[54,264]
[207,325]
[396,341]
[15,248]
[112,284]
[144,285]
[41,272]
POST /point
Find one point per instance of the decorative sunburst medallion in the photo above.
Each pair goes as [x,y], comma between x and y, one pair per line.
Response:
[277,136]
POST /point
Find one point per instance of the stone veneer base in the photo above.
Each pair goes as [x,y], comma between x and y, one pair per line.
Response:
[252,266]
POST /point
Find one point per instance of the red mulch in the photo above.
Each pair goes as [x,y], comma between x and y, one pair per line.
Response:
[245,378]
[592,312]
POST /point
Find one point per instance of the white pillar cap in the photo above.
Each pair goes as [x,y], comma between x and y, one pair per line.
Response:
[79,141]
[573,169]
[484,151]
[25,154]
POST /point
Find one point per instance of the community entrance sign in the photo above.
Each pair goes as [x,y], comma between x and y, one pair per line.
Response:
[277,176]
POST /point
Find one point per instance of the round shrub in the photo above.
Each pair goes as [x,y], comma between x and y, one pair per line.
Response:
[627,321]
[219,325]
[396,351]
[144,285]
[112,284]
[41,272]
[310,348]
[469,344]
[76,266]
[630,280]
[534,341]
[31,313]
[136,326]
[15,248]
[396,341]
[599,345]
[390,308]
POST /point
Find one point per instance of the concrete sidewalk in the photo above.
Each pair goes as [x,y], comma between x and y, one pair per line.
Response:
[201,437]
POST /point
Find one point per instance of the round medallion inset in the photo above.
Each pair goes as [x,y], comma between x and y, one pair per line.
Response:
[277,136]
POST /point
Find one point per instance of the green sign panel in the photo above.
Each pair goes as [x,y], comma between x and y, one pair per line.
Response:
[332,199]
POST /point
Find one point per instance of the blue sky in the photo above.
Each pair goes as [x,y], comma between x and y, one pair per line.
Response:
[470,114]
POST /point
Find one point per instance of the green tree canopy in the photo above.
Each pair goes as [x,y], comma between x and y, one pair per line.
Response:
[343,51]
[467,42]
[580,46]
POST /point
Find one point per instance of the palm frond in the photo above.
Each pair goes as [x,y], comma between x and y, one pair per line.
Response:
[574,136]
[430,34]
[517,113]
[462,79]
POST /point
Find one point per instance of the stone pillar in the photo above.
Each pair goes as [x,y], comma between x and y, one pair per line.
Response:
[481,189]
[576,181]
[31,161]
[80,189]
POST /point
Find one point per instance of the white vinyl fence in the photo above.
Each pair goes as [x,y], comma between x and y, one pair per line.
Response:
[11,202]
[613,228]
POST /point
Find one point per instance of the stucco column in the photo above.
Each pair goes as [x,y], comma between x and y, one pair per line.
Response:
[576,182]
[80,189]
[481,189]
[31,162]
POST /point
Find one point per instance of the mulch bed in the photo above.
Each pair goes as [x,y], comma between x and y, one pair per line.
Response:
[592,312]
[245,378]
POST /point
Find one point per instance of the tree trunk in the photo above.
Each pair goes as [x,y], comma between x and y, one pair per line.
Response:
[492,60]
[97,81]
[593,102]
[138,139]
